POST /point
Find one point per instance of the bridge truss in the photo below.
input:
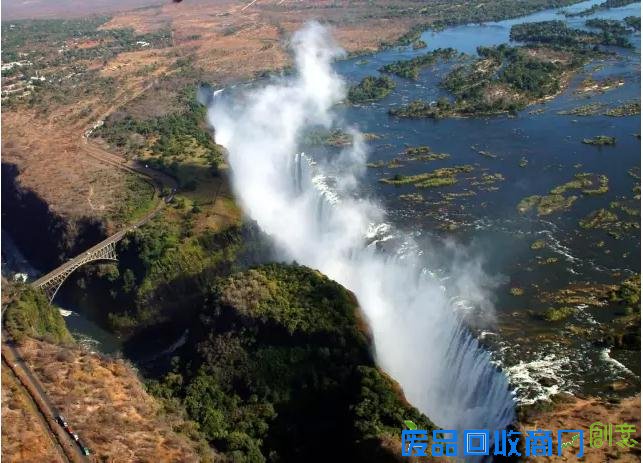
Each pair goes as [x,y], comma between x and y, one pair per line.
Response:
[52,282]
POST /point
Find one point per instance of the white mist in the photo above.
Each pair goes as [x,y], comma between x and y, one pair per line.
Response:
[419,339]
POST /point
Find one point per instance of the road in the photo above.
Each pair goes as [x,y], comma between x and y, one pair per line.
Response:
[111,239]
[12,359]
[44,423]
[10,355]
[157,179]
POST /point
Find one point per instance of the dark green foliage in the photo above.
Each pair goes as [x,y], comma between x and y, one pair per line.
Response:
[48,33]
[633,22]
[282,371]
[171,129]
[162,271]
[559,34]
[412,36]
[606,5]
[30,314]
[371,89]
[410,69]
[454,13]
[600,140]
[611,26]
[378,408]
[418,109]
[177,136]
[504,79]
[534,78]
[629,293]
[554,31]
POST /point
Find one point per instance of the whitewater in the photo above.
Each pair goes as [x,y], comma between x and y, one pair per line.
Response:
[314,215]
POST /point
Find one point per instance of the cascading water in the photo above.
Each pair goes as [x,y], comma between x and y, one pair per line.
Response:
[419,337]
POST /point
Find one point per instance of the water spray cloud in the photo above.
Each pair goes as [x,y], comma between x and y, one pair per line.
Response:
[419,338]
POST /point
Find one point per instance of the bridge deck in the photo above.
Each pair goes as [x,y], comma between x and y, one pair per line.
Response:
[77,261]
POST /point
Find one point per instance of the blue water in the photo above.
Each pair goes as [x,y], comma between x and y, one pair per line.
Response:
[87,333]
[488,223]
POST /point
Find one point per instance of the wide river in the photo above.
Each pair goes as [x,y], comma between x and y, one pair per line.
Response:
[541,358]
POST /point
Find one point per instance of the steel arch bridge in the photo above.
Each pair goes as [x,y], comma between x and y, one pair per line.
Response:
[105,250]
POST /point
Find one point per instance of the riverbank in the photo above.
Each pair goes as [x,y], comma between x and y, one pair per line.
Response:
[568,412]
[194,243]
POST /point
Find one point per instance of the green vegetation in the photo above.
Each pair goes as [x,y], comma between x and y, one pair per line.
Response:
[606,5]
[632,108]
[557,33]
[371,89]
[585,183]
[281,366]
[444,176]
[516,291]
[616,221]
[423,153]
[29,314]
[165,260]
[558,314]
[600,219]
[607,26]
[465,13]
[600,140]
[628,293]
[420,109]
[633,22]
[546,205]
[445,14]
[333,137]
[410,69]
[600,189]
[177,143]
[590,109]
[48,33]
[503,79]
[419,44]
[138,199]
[58,55]
[590,85]
[629,209]
[588,183]
[392,164]
[487,180]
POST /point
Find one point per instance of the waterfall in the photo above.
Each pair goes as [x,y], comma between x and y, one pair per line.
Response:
[314,214]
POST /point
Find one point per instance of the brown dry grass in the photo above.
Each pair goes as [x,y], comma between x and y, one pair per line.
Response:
[106,404]
[580,413]
[226,43]
[25,437]
[52,164]
[232,44]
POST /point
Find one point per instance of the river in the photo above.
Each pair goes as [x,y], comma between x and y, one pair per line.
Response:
[540,358]
[87,333]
